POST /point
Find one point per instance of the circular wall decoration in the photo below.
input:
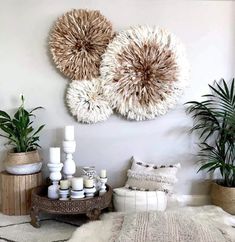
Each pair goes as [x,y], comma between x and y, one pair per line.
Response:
[77,41]
[86,101]
[144,71]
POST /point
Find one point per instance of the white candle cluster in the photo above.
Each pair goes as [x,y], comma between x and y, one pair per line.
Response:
[70,187]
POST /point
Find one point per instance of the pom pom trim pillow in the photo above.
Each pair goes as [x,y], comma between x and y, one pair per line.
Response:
[151,177]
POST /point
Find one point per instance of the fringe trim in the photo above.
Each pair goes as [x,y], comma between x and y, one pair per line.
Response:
[152,177]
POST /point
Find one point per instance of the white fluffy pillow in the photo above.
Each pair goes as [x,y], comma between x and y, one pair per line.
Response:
[126,200]
[151,177]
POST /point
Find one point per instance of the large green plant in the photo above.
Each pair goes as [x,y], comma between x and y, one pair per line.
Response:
[214,119]
[19,130]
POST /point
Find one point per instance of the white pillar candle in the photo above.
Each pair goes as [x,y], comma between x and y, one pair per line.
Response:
[69,133]
[103,173]
[64,184]
[89,183]
[54,155]
[77,183]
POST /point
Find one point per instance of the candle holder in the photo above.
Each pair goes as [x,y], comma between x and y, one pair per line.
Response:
[77,194]
[90,191]
[69,168]
[64,194]
[103,182]
[55,176]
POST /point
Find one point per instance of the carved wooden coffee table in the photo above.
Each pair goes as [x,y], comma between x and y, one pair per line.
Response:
[92,207]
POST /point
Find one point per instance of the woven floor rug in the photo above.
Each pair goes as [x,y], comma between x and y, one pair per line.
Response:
[53,229]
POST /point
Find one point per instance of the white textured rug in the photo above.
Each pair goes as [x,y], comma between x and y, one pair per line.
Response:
[53,229]
[105,230]
[61,228]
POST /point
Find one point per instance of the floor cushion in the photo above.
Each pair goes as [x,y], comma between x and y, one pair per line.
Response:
[126,200]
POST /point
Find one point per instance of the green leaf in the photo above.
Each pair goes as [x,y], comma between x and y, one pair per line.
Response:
[5,115]
[39,129]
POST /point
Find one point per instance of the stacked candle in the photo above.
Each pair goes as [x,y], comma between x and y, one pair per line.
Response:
[64,190]
[77,191]
[89,187]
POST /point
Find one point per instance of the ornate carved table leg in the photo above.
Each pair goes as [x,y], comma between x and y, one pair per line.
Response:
[35,220]
[94,214]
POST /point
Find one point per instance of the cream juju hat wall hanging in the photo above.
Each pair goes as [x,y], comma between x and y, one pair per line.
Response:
[77,42]
[86,101]
[144,70]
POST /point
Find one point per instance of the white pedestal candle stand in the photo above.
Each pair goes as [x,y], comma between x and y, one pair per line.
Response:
[103,182]
[69,168]
[55,176]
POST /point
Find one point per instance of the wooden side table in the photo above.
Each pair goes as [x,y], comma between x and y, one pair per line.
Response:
[92,207]
[16,192]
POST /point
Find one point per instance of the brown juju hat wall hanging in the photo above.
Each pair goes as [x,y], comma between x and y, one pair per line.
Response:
[144,71]
[77,41]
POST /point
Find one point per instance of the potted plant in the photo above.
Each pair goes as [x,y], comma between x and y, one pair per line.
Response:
[214,119]
[23,157]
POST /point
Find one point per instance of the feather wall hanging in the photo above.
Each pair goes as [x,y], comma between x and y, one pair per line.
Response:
[144,71]
[77,41]
[86,101]
[140,73]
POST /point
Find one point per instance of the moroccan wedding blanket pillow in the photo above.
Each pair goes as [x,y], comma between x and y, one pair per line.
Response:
[151,177]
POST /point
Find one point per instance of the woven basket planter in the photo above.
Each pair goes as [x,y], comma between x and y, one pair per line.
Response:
[223,197]
[23,163]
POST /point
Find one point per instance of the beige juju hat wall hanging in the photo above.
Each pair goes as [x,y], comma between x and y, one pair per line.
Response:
[144,70]
[77,41]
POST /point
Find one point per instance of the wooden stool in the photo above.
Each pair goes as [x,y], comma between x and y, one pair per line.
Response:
[16,192]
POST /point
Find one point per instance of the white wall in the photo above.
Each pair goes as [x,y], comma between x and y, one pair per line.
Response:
[206,28]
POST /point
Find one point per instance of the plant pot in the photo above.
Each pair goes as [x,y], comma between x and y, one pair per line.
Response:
[23,163]
[223,197]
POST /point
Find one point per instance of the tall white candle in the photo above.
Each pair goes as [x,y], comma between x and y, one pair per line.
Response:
[103,173]
[77,183]
[89,183]
[69,133]
[55,155]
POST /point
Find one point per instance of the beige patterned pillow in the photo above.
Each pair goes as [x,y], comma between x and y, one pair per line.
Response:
[151,177]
